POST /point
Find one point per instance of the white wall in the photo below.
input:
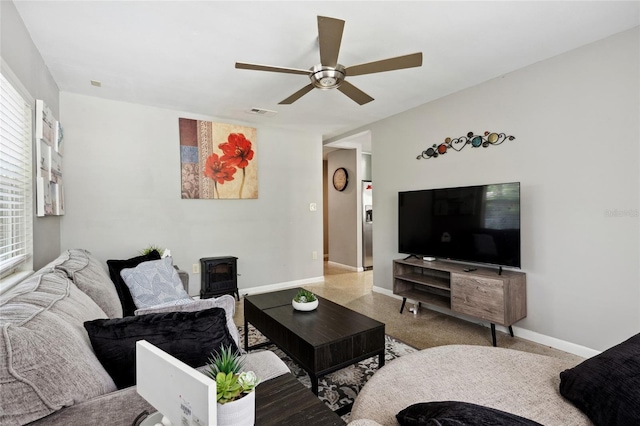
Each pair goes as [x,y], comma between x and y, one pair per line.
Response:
[24,61]
[576,154]
[122,183]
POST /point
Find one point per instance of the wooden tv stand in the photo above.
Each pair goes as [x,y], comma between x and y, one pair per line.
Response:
[481,293]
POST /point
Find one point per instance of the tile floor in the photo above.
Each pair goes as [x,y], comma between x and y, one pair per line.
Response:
[423,330]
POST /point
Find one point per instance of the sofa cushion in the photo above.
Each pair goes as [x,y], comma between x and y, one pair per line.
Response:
[46,360]
[455,413]
[606,387]
[189,336]
[115,266]
[153,283]
[226,302]
[87,273]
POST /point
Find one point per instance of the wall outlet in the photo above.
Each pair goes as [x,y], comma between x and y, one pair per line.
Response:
[195,268]
[313,207]
[314,255]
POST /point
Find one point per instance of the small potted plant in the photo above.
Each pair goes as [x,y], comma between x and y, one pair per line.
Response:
[304,301]
[150,248]
[234,388]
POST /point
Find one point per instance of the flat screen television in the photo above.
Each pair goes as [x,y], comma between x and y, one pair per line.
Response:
[477,224]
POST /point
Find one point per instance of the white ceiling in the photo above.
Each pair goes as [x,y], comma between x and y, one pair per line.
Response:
[181,54]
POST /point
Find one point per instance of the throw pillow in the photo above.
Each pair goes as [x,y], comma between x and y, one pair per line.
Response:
[189,336]
[115,266]
[90,276]
[455,413]
[226,302]
[606,387]
[153,283]
[46,362]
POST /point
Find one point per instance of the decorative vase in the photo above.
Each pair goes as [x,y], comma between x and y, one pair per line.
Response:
[241,412]
[307,306]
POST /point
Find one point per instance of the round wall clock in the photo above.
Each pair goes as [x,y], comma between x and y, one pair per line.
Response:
[340,179]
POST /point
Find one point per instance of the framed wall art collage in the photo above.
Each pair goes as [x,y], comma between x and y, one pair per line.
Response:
[49,152]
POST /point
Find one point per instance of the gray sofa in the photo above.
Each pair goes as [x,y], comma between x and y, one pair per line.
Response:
[516,382]
[49,373]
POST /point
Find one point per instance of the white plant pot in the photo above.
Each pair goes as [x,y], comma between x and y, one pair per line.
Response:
[308,306]
[241,412]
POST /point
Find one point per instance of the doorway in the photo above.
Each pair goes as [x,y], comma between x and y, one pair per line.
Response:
[348,211]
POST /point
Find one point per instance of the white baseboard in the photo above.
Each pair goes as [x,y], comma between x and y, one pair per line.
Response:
[280,286]
[562,345]
[523,333]
[349,267]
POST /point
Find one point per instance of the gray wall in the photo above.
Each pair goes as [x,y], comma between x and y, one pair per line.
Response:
[343,209]
[23,59]
[576,154]
[122,180]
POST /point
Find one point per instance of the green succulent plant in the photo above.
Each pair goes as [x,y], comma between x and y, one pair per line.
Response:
[227,387]
[228,360]
[304,296]
[248,380]
[151,248]
[224,368]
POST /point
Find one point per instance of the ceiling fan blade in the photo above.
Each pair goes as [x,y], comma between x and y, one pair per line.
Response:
[329,39]
[354,93]
[257,67]
[300,93]
[397,63]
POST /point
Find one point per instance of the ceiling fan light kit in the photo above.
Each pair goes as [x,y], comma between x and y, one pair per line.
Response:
[325,78]
[329,74]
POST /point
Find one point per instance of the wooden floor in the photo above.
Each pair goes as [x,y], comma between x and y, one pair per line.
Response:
[422,330]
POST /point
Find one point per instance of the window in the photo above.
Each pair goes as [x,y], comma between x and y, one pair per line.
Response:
[16,180]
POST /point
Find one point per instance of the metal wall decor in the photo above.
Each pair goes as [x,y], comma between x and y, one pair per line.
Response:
[475,141]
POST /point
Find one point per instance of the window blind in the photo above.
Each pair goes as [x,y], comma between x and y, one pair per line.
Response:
[16,205]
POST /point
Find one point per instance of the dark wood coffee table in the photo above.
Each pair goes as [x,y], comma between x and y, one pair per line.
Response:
[321,341]
[284,401]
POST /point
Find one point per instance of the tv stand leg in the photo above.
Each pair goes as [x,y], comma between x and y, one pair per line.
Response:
[493,334]
[404,302]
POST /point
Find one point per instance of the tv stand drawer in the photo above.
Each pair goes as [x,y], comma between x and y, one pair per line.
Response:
[478,297]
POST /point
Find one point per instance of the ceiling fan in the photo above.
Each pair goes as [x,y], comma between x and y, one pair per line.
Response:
[329,74]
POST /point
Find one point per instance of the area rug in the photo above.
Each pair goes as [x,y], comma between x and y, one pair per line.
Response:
[339,389]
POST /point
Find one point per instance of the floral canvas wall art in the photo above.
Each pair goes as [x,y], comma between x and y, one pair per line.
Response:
[218,160]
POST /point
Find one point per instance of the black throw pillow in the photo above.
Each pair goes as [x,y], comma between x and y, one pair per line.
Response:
[115,267]
[191,337]
[455,413]
[606,387]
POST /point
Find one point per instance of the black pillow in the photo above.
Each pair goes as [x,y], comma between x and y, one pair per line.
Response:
[606,387]
[115,267]
[189,336]
[455,413]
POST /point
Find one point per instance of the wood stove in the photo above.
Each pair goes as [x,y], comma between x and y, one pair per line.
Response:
[219,276]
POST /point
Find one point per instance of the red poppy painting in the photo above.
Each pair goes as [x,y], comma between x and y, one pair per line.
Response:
[218,160]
